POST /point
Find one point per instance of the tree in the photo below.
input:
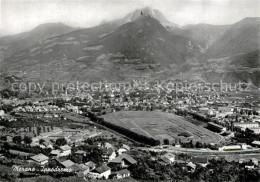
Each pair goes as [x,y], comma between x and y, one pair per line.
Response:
[41,141]
[166,141]
[4,138]
[17,139]
[38,130]
[61,141]
[198,145]
[27,140]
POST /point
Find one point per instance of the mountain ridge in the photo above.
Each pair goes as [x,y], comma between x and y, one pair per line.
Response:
[141,47]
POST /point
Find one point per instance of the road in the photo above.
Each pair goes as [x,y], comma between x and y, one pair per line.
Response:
[172,149]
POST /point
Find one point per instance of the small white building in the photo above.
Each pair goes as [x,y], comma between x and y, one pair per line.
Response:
[40,159]
[247,125]
[230,147]
[101,172]
[123,149]
[168,158]
[122,174]
[65,150]
[2,112]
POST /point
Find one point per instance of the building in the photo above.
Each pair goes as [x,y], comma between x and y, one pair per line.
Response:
[65,150]
[123,161]
[122,174]
[230,147]
[55,153]
[46,144]
[108,154]
[67,163]
[81,152]
[40,159]
[256,144]
[216,127]
[123,149]
[191,166]
[101,172]
[254,161]
[224,111]
[203,110]
[168,158]
[2,112]
[73,108]
[91,165]
[246,125]
[255,130]
[203,161]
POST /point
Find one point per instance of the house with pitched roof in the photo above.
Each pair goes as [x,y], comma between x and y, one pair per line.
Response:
[123,160]
[46,144]
[40,159]
[101,172]
[168,158]
[91,165]
[203,161]
[55,153]
[123,149]
[67,163]
[122,174]
[65,150]
[108,154]
[81,152]
[191,166]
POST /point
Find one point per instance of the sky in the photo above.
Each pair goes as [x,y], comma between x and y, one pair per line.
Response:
[18,16]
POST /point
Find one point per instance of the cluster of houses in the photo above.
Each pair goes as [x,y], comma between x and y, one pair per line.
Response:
[61,158]
[73,136]
[37,108]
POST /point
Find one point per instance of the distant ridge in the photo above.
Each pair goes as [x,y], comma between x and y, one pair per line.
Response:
[22,41]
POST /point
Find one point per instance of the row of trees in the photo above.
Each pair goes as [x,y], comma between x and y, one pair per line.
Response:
[18,139]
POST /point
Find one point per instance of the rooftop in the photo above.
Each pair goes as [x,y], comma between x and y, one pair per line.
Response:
[39,158]
[102,169]
[67,163]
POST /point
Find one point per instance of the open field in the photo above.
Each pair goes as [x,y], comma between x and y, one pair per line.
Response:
[161,125]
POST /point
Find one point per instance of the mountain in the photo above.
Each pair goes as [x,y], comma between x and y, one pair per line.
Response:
[141,44]
[148,12]
[241,37]
[154,13]
[203,34]
[234,56]
[248,60]
[146,39]
[243,67]
[14,43]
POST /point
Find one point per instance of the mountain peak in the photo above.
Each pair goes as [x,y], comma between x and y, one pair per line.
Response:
[147,11]
[50,26]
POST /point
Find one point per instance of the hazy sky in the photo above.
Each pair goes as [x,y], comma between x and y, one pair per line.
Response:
[23,15]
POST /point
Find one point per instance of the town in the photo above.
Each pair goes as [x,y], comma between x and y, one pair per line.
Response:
[113,134]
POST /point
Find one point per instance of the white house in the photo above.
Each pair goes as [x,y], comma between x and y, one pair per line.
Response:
[230,147]
[101,172]
[55,153]
[168,158]
[123,149]
[123,161]
[2,112]
[122,174]
[40,159]
[65,150]
[67,163]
